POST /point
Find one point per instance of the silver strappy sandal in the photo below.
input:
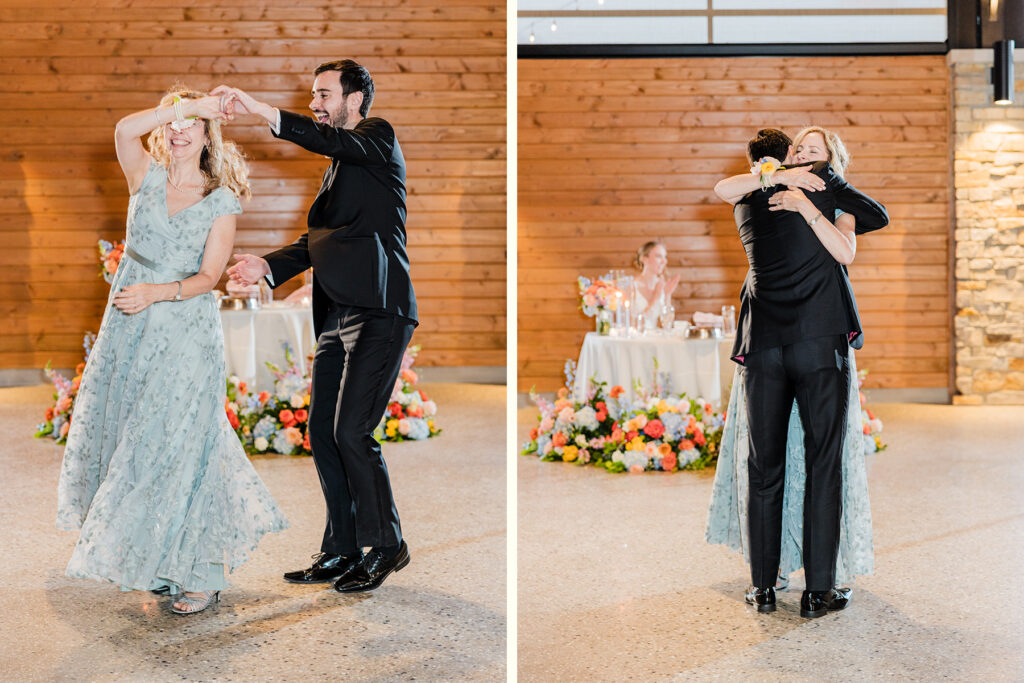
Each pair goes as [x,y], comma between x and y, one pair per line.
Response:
[195,604]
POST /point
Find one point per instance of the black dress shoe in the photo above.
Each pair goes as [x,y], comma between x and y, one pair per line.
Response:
[374,568]
[814,604]
[325,568]
[764,598]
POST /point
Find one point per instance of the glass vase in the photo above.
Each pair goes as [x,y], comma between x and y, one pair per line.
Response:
[603,321]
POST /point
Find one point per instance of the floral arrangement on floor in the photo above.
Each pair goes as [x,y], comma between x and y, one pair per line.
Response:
[277,421]
[57,419]
[872,426]
[654,432]
[110,257]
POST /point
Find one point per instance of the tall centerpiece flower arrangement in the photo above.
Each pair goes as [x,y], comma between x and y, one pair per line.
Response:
[600,298]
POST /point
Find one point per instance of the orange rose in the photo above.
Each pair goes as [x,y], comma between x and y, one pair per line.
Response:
[305,442]
[559,439]
[287,418]
[233,419]
[301,415]
[616,391]
[699,438]
[867,429]
[241,387]
[49,414]
[263,396]
[533,433]
[80,368]
[686,445]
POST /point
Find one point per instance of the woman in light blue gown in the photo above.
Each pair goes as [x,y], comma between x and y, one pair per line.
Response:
[153,475]
[727,514]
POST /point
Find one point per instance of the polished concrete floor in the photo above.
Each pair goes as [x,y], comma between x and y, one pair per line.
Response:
[441,618]
[616,582]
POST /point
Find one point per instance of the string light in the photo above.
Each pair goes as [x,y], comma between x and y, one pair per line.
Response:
[554,22]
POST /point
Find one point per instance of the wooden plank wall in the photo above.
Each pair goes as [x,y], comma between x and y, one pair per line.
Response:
[70,72]
[615,152]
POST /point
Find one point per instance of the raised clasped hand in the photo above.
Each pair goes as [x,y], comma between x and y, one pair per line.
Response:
[135,298]
[238,100]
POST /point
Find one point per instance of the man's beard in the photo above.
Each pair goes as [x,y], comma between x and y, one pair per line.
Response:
[341,119]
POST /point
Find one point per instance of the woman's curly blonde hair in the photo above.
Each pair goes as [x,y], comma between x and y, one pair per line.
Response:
[222,161]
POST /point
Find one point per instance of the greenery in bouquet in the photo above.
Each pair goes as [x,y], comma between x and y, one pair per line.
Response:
[872,426]
[653,432]
[57,419]
[277,421]
[110,258]
[597,295]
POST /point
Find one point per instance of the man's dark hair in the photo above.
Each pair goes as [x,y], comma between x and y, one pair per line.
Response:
[769,142]
[353,78]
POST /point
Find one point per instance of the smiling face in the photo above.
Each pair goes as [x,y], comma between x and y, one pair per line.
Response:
[187,143]
[330,106]
[810,148]
[655,260]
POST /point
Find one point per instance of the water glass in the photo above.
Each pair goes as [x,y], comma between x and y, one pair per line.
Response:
[729,319]
[667,318]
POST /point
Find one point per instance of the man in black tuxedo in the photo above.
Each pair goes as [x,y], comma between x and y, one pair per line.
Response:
[797,320]
[364,312]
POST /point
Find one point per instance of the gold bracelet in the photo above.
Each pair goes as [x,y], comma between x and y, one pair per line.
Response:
[177,297]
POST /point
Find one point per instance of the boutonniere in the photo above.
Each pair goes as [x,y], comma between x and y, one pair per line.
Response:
[765,168]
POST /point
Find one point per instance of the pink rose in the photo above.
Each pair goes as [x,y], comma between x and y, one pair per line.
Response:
[404,427]
[636,468]
[64,429]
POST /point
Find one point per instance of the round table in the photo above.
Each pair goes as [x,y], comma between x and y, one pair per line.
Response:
[252,338]
[699,367]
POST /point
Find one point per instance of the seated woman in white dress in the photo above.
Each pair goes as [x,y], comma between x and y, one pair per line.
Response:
[727,515]
[652,291]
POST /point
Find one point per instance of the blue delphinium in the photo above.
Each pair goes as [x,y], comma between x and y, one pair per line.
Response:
[264,428]
[675,426]
[280,443]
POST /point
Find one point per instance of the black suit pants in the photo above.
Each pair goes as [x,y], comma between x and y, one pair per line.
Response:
[816,373]
[357,360]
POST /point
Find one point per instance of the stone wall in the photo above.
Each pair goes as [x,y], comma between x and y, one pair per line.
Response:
[988,167]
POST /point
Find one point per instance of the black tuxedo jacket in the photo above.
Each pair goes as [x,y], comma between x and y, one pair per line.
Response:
[356,241]
[794,289]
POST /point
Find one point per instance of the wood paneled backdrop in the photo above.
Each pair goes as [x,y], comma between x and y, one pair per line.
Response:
[615,152]
[67,74]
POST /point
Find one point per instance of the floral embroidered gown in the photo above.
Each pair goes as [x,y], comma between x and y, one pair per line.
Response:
[153,474]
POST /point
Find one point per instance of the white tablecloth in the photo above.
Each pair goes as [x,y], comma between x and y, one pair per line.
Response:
[251,338]
[698,367]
